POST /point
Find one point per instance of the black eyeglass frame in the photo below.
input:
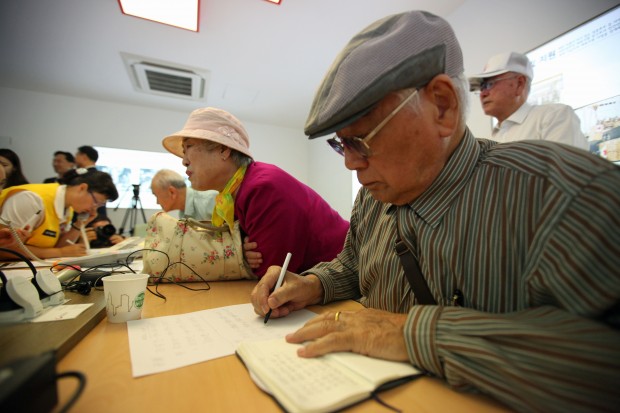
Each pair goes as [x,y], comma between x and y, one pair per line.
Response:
[360,145]
[490,84]
[97,203]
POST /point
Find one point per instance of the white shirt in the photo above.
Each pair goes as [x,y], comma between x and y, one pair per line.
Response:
[199,204]
[553,122]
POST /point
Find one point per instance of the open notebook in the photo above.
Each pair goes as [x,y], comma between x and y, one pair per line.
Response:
[116,254]
[322,384]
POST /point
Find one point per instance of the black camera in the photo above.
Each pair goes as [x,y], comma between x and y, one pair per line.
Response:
[105,232]
[103,236]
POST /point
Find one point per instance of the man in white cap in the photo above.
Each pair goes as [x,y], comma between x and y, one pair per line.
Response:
[493,267]
[504,86]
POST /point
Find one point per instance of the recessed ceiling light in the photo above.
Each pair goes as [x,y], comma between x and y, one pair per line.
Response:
[275,1]
[178,13]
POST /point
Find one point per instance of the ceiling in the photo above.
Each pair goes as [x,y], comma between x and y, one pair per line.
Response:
[264,61]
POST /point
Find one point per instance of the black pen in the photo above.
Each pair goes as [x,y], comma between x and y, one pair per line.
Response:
[279,282]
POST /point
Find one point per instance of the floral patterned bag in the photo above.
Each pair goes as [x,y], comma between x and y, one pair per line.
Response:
[194,251]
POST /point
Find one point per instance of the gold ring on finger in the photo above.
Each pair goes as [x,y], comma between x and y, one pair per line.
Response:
[337,316]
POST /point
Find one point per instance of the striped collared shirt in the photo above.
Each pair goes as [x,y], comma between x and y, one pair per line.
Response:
[529,232]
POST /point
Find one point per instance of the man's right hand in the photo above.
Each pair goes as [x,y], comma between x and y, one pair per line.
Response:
[296,292]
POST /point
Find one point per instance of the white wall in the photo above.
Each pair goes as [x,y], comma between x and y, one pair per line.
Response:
[329,177]
[38,124]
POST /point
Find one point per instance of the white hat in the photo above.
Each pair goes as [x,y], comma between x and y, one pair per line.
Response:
[503,63]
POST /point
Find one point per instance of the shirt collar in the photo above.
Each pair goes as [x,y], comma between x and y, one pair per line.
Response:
[436,200]
[59,203]
[520,114]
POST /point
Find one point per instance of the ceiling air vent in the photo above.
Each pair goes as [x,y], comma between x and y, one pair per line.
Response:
[168,81]
[162,78]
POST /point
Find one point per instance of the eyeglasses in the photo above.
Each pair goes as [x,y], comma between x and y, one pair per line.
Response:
[489,84]
[97,203]
[360,145]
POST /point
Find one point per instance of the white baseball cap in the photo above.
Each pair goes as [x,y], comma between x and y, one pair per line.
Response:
[503,63]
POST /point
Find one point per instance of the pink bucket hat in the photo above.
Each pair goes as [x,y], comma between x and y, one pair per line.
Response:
[214,125]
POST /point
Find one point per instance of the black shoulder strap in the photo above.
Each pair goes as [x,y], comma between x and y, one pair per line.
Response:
[414,274]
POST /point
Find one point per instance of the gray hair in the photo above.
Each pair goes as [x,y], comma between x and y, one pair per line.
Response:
[461,84]
[239,159]
[528,86]
[165,178]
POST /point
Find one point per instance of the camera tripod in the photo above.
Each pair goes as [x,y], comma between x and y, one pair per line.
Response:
[132,213]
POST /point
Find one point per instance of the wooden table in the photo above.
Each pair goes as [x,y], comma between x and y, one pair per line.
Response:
[28,339]
[220,385]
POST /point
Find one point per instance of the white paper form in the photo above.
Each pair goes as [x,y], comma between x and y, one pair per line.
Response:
[166,343]
[61,312]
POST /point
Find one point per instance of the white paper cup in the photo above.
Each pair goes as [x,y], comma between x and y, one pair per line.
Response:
[124,296]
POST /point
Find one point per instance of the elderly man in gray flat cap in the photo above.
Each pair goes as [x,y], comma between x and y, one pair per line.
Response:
[494,267]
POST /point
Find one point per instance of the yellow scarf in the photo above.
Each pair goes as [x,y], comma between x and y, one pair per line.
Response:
[224,209]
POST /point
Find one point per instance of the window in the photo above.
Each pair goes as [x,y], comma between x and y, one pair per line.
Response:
[130,167]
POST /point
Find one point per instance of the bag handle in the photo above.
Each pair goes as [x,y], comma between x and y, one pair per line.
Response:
[205,225]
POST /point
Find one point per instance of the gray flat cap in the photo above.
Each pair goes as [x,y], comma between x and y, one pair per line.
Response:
[397,52]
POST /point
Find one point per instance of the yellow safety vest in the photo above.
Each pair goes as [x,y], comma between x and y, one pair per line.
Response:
[45,235]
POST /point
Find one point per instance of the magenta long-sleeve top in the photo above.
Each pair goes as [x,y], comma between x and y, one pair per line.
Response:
[284,215]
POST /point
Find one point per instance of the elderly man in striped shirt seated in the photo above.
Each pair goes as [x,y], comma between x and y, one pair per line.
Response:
[517,244]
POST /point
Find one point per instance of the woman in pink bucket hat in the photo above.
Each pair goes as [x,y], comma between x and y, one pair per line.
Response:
[274,209]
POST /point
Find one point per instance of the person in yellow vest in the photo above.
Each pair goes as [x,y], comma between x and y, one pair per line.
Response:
[47,210]
[7,240]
